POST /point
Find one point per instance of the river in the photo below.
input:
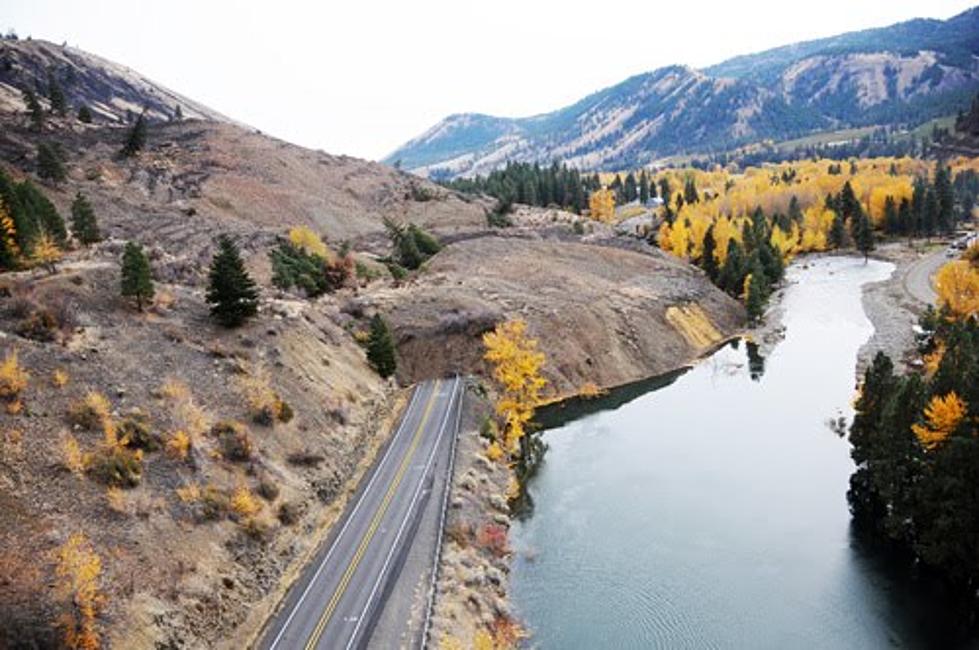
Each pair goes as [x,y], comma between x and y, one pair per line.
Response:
[708,509]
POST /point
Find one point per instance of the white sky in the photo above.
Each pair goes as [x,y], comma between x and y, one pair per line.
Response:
[361,77]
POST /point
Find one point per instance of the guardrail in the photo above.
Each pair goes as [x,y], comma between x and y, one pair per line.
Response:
[437,559]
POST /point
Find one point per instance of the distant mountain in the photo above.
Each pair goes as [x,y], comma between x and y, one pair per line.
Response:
[903,74]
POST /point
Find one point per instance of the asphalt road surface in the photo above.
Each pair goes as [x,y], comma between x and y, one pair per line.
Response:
[337,600]
[917,278]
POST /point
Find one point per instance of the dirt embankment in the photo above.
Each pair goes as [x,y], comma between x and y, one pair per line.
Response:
[602,314]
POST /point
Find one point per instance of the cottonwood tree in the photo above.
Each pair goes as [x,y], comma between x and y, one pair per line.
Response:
[517,365]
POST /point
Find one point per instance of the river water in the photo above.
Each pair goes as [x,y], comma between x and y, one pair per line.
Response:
[708,509]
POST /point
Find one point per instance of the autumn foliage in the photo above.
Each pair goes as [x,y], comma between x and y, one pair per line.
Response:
[517,365]
[601,205]
[78,570]
[943,416]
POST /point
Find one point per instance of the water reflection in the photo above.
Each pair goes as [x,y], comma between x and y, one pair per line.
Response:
[708,510]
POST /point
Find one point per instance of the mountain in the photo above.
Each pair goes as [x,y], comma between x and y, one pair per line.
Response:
[902,74]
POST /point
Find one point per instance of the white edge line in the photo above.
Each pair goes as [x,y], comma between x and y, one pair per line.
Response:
[411,507]
[363,495]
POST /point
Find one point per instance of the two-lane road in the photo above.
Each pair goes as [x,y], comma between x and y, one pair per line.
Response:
[340,594]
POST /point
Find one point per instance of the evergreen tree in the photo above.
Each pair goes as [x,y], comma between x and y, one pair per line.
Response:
[34,109]
[837,232]
[849,205]
[795,211]
[83,222]
[231,291]
[137,281]
[945,198]
[863,234]
[84,114]
[56,95]
[42,214]
[380,348]
[178,113]
[643,188]
[708,261]
[137,137]
[734,270]
[892,224]
[665,191]
[930,214]
[49,163]
[630,188]
[690,194]
[756,291]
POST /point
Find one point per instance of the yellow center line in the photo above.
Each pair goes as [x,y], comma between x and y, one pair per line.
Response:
[375,523]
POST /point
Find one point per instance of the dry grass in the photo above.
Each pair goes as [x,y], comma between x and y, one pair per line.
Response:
[59,378]
[692,322]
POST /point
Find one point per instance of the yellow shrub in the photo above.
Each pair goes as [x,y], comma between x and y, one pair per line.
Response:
[178,446]
[174,390]
[244,503]
[494,452]
[13,378]
[91,412]
[59,378]
[72,455]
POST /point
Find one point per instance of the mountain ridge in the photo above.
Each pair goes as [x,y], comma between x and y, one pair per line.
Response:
[883,75]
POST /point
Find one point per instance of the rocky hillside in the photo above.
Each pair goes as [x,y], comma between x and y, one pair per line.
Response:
[112,92]
[905,73]
[164,438]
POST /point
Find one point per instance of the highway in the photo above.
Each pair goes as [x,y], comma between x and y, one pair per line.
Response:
[340,594]
[918,277]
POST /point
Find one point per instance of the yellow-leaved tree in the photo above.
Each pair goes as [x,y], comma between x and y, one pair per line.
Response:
[957,284]
[304,238]
[601,205]
[517,367]
[943,414]
[46,253]
[78,570]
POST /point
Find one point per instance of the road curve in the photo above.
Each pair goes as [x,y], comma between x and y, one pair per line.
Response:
[917,277]
[335,602]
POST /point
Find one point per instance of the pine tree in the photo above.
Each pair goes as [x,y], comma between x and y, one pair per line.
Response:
[49,163]
[864,234]
[84,114]
[231,293]
[892,225]
[945,197]
[837,232]
[56,95]
[137,281]
[756,290]
[708,260]
[35,110]
[83,223]
[732,273]
[380,348]
[643,188]
[178,113]
[137,137]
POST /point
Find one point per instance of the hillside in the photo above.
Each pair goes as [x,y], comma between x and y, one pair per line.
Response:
[186,560]
[902,74]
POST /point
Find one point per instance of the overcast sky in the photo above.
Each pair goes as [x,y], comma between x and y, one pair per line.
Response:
[362,77]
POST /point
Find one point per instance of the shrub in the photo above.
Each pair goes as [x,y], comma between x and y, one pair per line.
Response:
[59,378]
[134,432]
[117,501]
[178,446]
[117,466]
[233,439]
[264,403]
[493,537]
[267,489]
[244,504]
[92,412]
[190,493]
[289,513]
[13,379]
[38,326]
[397,271]
[494,452]
[214,504]
[72,457]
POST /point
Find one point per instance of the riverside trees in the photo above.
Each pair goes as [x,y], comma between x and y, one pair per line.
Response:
[916,444]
